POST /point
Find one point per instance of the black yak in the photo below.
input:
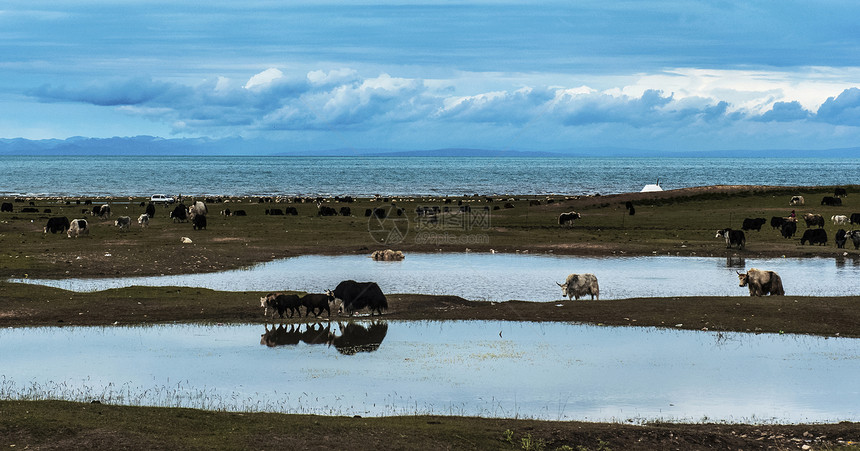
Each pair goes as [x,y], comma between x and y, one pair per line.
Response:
[841,238]
[732,237]
[314,301]
[358,295]
[57,224]
[568,218]
[814,236]
[179,213]
[753,224]
[198,222]
[789,228]
[280,303]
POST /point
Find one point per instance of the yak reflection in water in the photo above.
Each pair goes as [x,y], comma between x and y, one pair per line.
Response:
[353,337]
[733,261]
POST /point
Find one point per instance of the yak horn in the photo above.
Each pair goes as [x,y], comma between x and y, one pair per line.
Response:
[559,284]
[739,273]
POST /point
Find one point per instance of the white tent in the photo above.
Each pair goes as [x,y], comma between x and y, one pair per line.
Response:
[652,188]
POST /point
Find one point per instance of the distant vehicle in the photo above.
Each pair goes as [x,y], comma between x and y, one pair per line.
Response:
[161,198]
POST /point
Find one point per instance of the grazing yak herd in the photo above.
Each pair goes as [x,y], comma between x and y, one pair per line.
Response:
[787,226]
[74,228]
[196,213]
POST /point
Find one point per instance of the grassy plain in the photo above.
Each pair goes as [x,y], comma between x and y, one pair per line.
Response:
[679,222]
[676,222]
[65,425]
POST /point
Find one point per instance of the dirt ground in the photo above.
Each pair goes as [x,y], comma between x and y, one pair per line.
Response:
[63,425]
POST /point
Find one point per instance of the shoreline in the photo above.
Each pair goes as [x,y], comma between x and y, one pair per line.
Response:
[289,198]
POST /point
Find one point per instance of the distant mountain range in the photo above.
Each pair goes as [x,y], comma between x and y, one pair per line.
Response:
[150,145]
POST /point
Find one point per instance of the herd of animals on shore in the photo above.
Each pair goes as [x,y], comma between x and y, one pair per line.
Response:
[197,211]
[350,296]
[787,226]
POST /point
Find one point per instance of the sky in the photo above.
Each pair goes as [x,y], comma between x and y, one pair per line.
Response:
[542,76]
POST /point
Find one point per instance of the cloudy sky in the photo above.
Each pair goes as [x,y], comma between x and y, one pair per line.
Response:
[650,74]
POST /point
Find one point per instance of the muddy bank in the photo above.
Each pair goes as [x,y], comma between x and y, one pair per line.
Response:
[29,305]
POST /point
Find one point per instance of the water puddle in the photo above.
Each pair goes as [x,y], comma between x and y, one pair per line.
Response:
[502,277]
[483,368]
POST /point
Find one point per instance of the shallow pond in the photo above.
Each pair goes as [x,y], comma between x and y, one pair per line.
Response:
[484,368]
[501,277]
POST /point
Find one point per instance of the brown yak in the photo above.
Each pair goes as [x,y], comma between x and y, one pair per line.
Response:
[761,282]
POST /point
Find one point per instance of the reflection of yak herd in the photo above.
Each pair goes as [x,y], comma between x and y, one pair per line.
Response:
[353,338]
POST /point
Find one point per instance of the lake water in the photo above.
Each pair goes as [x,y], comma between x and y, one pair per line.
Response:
[400,176]
[502,277]
[477,368]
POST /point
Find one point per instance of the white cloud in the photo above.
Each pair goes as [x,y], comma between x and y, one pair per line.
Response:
[264,78]
[386,82]
[753,91]
[688,108]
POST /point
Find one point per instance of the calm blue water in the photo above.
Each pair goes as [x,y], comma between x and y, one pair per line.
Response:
[366,176]
[501,277]
[474,368]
